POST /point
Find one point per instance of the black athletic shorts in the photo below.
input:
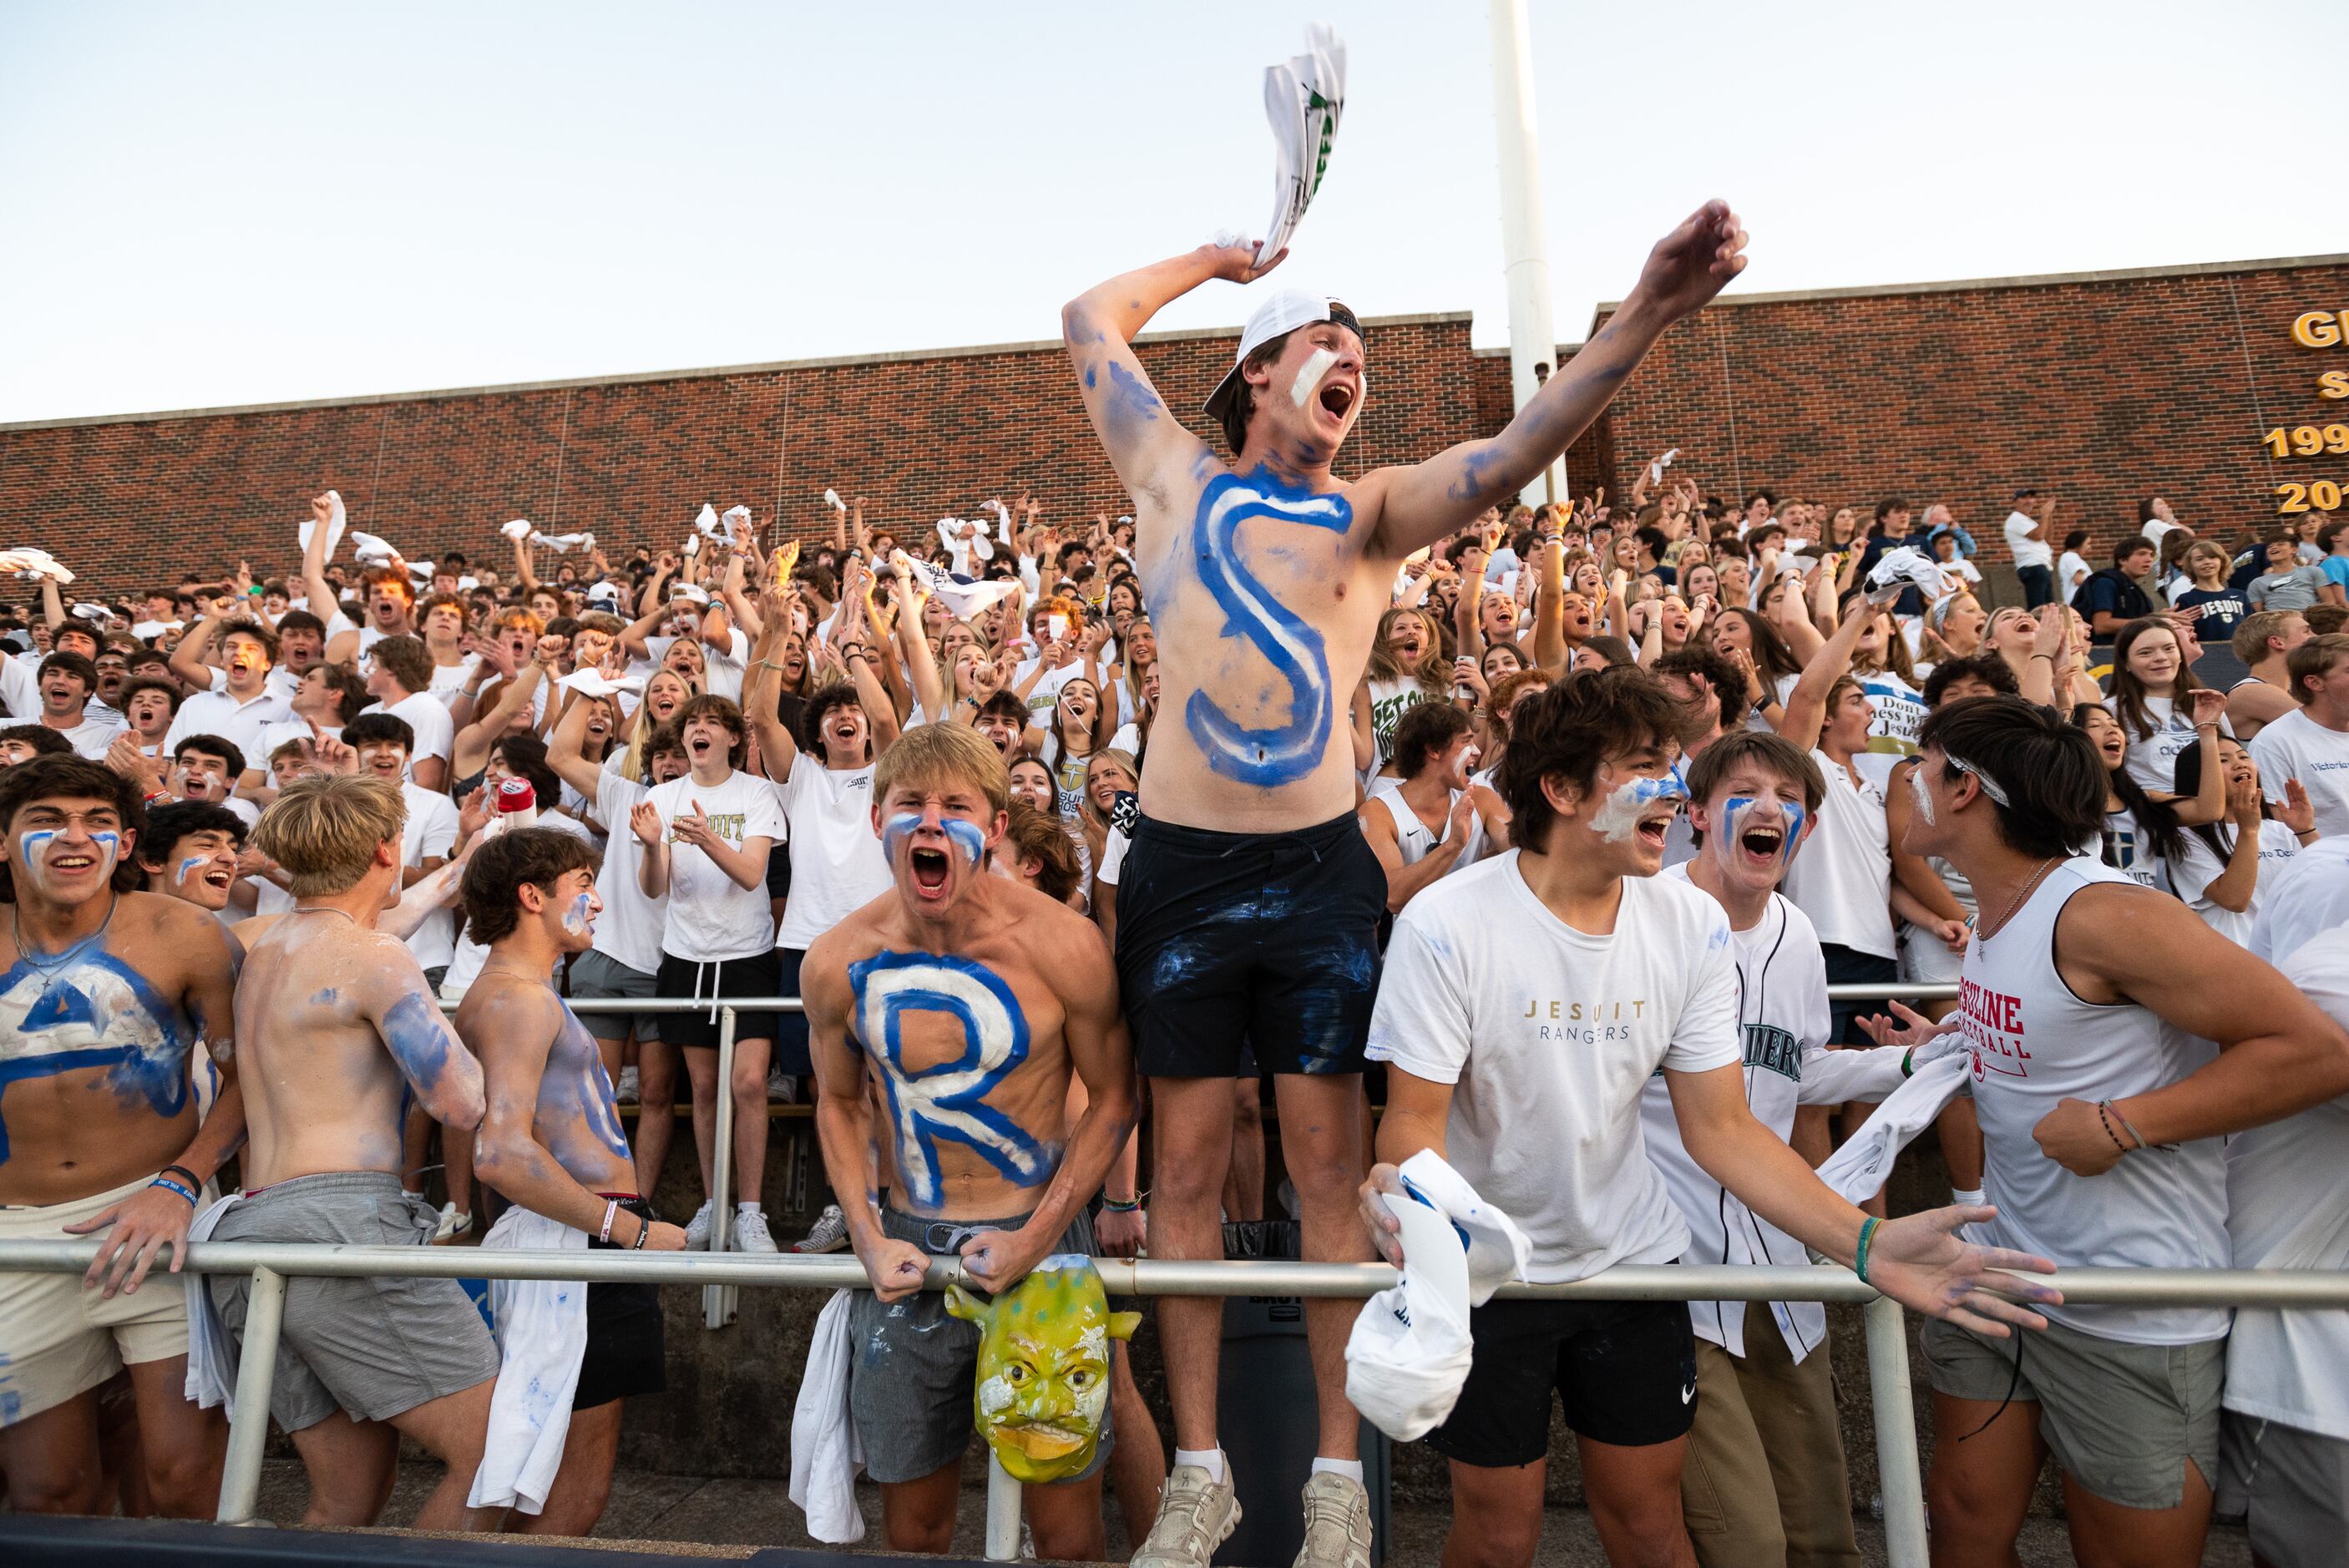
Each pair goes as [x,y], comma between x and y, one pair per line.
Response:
[1625,1371]
[755,975]
[1231,941]
[627,1354]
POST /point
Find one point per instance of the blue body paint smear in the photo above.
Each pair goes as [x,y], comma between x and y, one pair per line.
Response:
[87,994]
[945,1102]
[591,1093]
[413,1033]
[1131,404]
[966,838]
[1287,751]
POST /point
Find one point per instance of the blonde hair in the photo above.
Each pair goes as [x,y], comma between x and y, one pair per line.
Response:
[326,831]
[936,753]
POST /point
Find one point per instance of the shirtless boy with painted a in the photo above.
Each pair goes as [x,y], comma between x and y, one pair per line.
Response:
[105,994]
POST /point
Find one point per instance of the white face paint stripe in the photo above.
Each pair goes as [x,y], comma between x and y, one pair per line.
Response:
[1308,375]
[1924,796]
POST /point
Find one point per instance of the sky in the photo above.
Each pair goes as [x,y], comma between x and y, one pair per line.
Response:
[225,204]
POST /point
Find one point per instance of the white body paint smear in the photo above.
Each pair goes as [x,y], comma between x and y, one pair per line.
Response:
[1308,375]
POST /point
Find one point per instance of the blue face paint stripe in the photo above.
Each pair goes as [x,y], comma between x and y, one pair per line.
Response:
[1284,752]
[967,837]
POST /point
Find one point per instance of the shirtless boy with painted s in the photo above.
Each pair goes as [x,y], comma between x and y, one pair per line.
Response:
[1248,906]
[972,1001]
[552,1144]
[105,994]
[337,1026]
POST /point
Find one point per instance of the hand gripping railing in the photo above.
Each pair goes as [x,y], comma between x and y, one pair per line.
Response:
[272,1263]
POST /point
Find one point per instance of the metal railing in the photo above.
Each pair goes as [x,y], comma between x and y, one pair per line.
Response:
[721,1303]
[1894,1415]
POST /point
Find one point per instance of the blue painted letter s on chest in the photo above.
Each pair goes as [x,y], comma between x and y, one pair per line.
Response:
[1277,753]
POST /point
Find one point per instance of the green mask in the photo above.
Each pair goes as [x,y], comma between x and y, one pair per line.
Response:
[1044,1365]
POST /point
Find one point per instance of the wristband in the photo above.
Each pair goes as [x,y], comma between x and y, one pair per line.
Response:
[1860,1261]
[644,1228]
[183,1171]
[611,1207]
[2130,1127]
[1909,1061]
[1116,1206]
[2105,1114]
[183,1192]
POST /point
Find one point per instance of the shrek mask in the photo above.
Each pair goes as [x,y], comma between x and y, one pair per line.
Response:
[1044,1365]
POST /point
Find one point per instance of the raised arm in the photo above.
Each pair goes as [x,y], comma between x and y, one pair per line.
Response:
[1146,444]
[1686,269]
[914,649]
[1807,705]
[566,752]
[1549,606]
[762,687]
[188,666]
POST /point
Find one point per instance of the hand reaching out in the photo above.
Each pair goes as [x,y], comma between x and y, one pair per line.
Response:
[2297,812]
[644,821]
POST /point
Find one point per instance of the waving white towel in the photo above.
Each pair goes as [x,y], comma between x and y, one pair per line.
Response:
[595,683]
[1304,97]
[1408,1356]
[373,551]
[31,563]
[1897,571]
[964,598]
[705,522]
[520,528]
[336,518]
[825,1451]
[563,543]
[832,499]
[541,1328]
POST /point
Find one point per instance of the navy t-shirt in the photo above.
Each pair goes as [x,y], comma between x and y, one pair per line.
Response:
[2223,610]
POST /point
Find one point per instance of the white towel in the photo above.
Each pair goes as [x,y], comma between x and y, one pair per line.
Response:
[1858,1170]
[825,1451]
[705,522]
[27,561]
[595,683]
[336,518]
[211,1354]
[563,543]
[1408,1356]
[832,499]
[373,551]
[520,528]
[964,598]
[1897,571]
[541,1328]
[1304,97]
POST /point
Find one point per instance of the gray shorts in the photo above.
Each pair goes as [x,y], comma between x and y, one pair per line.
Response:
[595,974]
[2121,1419]
[374,1347]
[2294,1485]
[912,1380]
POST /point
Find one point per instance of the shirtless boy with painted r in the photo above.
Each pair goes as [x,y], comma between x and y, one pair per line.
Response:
[105,994]
[336,1026]
[971,1001]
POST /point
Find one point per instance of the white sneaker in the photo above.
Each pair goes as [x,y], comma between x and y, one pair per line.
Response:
[751,1235]
[1337,1523]
[828,1234]
[782,1087]
[1197,1514]
[696,1230]
[625,1091]
[453,1223]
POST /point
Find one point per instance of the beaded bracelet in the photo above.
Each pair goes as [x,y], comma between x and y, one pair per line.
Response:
[1860,1262]
[183,1192]
[2105,1115]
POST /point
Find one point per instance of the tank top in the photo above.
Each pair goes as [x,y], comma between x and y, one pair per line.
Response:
[1413,837]
[2033,1042]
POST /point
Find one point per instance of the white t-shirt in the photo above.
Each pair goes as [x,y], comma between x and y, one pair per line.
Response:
[240,724]
[2131,851]
[2287,1191]
[837,867]
[431,834]
[1783,1021]
[2153,762]
[1900,714]
[93,735]
[2071,570]
[1549,1035]
[2196,867]
[1046,689]
[2310,893]
[710,916]
[1842,876]
[2028,551]
[465,963]
[629,929]
[2297,747]
[427,716]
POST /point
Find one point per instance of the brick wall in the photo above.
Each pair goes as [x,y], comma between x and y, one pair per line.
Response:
[131,502]
[2102,388]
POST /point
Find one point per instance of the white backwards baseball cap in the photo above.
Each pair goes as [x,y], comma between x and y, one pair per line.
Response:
[1282,314]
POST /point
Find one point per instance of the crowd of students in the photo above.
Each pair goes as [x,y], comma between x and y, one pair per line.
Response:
[1551,826]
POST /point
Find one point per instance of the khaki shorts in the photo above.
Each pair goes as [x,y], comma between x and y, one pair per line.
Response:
[58,1338]
[2121,1419]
